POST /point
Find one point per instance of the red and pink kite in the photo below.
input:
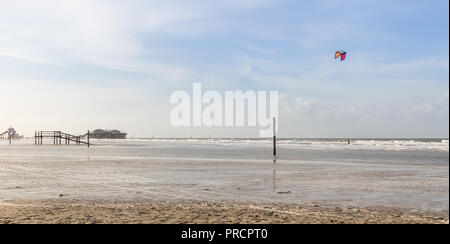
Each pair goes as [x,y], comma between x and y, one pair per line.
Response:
[342,54]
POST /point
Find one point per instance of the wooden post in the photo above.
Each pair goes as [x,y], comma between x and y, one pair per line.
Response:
[88,134]
[274,138]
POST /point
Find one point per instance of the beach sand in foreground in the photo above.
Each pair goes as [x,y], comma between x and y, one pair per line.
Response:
[84,212]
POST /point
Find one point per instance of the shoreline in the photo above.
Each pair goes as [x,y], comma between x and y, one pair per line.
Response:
[56,211]
[154,182]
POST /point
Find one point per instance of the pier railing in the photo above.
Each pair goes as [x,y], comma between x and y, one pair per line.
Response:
[60,137]
[8,136]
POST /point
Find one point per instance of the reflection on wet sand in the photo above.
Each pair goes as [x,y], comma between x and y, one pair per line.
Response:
[416,181]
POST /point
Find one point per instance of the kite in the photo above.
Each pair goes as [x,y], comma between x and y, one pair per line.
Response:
[341,54]
[337,55]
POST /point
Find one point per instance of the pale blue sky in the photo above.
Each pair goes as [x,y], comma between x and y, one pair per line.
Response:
[78,65]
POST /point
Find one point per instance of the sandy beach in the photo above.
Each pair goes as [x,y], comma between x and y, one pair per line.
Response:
[196,182]
[79,212]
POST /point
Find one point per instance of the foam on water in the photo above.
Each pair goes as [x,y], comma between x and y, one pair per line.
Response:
[441,145]
[365,144]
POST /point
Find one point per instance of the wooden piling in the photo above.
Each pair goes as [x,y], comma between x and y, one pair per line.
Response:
[274,138]
[59,136]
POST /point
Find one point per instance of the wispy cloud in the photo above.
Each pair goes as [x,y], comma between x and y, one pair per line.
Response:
[146,49]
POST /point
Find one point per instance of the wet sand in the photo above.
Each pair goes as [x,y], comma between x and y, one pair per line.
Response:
[153,184]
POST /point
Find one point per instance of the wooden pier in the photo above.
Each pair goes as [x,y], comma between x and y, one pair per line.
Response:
[59,137]
[7,135]
[4,135]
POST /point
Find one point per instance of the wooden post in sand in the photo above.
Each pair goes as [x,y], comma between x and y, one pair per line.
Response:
[88,135]
[274,139]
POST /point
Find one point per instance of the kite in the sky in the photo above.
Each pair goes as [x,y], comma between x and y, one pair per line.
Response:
[341,54]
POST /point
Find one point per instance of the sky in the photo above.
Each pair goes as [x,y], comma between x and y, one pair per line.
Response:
[81,65]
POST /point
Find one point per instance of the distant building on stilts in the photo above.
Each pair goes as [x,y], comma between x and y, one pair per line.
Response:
[108,134]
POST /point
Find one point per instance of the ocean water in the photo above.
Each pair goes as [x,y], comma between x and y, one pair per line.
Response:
[410,174]
[420,151]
